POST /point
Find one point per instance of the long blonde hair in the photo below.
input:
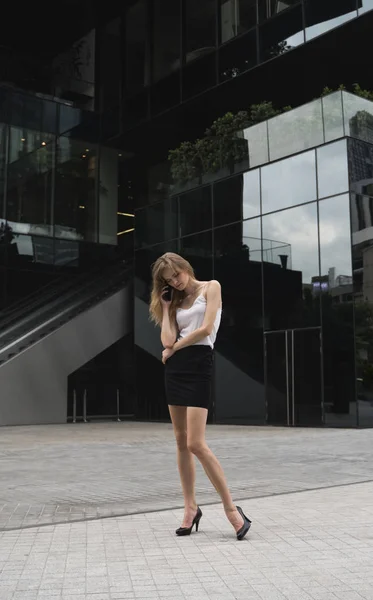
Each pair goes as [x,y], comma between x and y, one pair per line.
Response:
[176,263]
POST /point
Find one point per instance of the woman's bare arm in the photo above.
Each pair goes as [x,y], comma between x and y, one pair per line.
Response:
[168,331]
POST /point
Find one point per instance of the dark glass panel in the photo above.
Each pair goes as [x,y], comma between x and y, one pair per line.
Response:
[239,364]
[237,198]
[321,16]
[108,193]
[336,290]
[362,260]
[137,67]
[238,56]
[279,35]
[136,109]
[291,268]
[289,182]
[110,53]
[306,372]
[199,76]
[155,223]
[166,37]
[197,249]
[237,16]
[270,8]
[159,182]
[200,20]
[30,185]
[76,215]
[195,210]
[332,169]
[277,386]
[165,93]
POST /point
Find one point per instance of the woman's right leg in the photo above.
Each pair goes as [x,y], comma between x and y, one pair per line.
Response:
[185,462]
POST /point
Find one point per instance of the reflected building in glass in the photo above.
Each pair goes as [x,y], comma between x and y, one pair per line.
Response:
[290,240]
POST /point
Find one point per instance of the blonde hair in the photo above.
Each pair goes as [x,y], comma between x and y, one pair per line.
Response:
[177,264]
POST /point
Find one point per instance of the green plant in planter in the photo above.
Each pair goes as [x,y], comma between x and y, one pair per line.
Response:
[262,112]
[224,144]
[184,162]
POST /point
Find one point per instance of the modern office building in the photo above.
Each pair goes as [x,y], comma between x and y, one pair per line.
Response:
[274,200]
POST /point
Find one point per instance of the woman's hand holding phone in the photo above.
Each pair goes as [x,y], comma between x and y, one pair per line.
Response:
[166,295]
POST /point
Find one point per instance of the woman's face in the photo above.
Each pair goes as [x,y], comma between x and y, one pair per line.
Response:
[176,279]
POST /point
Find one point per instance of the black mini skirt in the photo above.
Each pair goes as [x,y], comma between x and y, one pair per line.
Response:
[188,376]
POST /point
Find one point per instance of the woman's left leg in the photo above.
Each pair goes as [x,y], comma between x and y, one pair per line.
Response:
[196,428]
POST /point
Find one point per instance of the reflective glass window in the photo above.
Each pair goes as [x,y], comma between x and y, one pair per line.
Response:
[336,292]
[199,75]
[30,183]
[76,190]
[360,163]
[238,56]
[290,268]
[322,16]
[237,198]
[237,16]
[278,36]
[362,261]
[271,8]
[289,182]
[110,53]
[197,249]
[137,67]
[364,6]
[257,139]
[156,222]
[358,117]
[166,35]
[296,130]
[332,169]
[200,28]
[195,210]
[333,116]
[239,365]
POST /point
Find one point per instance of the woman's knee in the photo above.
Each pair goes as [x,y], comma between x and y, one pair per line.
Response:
[197,447]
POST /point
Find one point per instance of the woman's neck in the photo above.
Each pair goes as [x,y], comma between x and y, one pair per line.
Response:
[192,287]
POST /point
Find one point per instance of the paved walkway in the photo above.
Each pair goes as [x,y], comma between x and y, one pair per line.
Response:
[314,545]
[57,474]
[308,491]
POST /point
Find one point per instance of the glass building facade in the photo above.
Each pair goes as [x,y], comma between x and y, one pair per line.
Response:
[62,205]
[288,235]
[178,49]
[88,114]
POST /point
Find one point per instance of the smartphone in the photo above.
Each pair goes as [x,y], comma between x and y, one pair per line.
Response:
[167,295]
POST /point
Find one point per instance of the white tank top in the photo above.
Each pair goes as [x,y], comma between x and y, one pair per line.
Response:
[190,319]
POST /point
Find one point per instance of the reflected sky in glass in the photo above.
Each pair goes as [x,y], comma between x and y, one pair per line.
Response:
[335,237]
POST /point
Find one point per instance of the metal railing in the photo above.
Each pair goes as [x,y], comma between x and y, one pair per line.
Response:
[85,417]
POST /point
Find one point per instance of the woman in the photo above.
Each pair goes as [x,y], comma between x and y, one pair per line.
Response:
[189,312]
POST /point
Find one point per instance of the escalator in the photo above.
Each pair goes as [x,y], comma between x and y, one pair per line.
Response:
[52,334]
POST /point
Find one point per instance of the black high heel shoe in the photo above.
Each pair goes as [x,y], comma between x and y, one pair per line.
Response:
[246,525]
[188,530]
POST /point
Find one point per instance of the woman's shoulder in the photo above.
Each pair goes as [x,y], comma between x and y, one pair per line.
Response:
[212,286]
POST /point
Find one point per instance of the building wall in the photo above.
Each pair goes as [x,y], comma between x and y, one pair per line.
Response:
[239,230]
